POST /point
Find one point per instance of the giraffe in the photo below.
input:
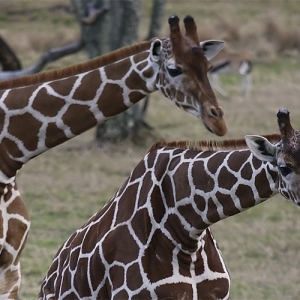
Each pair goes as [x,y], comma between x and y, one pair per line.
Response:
[44,110]
[152,240]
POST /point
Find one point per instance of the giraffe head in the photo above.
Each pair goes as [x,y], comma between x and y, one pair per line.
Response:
[183,73]
[285,155]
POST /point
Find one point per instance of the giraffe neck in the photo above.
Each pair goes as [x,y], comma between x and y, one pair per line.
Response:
[184,191]
[40,116]
[202,188]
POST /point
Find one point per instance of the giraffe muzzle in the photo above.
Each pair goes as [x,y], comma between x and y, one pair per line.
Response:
[213,120]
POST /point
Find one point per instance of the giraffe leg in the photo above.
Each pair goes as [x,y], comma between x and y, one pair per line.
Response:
[248,86]
[245,87]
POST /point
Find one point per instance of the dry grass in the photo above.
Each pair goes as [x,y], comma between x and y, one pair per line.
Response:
[66,185]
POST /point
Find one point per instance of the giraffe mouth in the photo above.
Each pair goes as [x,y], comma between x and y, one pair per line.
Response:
[212,124]
[208,128]
[197,114]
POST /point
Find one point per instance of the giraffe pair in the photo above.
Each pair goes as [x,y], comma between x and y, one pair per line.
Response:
[152,240]
[42,111]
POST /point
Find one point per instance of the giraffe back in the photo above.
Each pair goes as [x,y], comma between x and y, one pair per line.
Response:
[76,69]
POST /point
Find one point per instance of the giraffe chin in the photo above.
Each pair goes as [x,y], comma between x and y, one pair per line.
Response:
[219,128]
[288,196]
[219,131]
[208,128]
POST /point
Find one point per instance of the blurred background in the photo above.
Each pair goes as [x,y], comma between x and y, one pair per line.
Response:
[63,187]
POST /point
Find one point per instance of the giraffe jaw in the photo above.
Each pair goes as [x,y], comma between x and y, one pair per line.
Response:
[197,114]
[217,126]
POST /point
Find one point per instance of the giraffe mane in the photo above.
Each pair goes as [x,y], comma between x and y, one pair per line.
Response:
[211,145]
[91,64]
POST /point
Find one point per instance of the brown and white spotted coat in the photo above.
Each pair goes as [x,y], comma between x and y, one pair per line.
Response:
[152,239]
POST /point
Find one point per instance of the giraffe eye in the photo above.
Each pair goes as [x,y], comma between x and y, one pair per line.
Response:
[285,170]
[174,71]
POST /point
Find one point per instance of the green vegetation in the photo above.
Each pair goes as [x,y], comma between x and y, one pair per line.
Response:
[66,185]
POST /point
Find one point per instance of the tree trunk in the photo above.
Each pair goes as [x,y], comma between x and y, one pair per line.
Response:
[157,18]
[125,19]
[94,23]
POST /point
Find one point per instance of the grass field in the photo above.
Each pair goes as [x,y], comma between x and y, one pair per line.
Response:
[65,186]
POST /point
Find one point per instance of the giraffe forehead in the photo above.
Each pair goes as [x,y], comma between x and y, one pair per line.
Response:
[290,150]
[167,48]
[188,53]
[294,141]
[291,159]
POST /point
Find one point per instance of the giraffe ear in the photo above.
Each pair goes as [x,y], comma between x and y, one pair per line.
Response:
[261,148]
[155,50]
[211,48]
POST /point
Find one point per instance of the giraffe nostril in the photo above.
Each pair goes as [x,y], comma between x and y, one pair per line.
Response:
[215,113]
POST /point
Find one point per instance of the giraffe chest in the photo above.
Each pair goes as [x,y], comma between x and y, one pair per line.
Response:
[159,272]
[150,271]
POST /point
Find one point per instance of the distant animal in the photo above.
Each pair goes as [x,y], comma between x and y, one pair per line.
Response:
[234,63]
